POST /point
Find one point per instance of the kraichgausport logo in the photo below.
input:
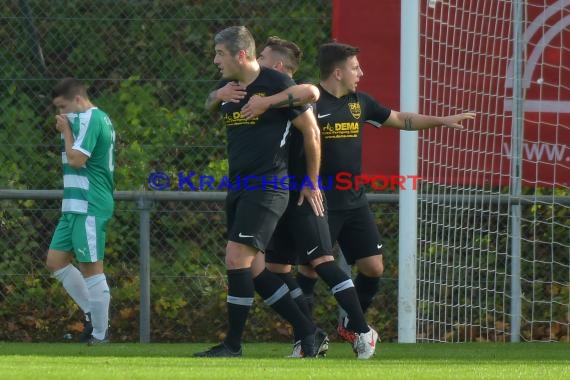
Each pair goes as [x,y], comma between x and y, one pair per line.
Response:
[193,181]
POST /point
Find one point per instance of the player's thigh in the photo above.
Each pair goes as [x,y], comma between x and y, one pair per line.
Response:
[61,238]
[255,215]
[280,252]
[59,254]
[359,236]
[311,236]
[335,219]
[89,237]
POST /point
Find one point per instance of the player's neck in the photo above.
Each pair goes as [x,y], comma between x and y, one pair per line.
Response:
[334,88]
[85,105]
[250,73]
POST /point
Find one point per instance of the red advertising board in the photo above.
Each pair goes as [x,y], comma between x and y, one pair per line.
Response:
[467,65]
[374,26]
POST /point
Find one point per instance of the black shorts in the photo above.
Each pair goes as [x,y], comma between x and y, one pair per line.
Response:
[356,233]
[253,215]
[300,236]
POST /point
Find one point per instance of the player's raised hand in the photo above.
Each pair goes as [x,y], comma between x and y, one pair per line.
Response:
[61,123]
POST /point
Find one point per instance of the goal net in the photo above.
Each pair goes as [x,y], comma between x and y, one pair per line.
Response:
[469,237]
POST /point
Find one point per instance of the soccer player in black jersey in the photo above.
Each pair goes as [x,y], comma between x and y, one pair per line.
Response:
[257,196]
[341,114]
[301,236]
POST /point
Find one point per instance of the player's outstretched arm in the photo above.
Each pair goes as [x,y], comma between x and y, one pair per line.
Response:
[307,124]
[414,121]
[231,92]
[297,95]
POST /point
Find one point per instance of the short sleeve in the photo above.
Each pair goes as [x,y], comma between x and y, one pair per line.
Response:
[88,133]
[374,113]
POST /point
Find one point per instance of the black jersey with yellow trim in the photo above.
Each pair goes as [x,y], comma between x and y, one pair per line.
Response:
[259,147]
[341,121]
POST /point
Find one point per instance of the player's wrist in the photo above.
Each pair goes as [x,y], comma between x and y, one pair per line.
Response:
[218,95]
[290,100]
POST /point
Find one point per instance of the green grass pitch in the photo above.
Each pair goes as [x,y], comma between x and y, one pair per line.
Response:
[267,361]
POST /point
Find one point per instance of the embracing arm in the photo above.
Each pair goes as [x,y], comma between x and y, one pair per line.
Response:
[307,124]
[297,95]
[212,101]
[231,92]
[414,121]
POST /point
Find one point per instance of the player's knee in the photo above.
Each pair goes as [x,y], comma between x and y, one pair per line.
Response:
[378,269]
[307,271]
[239,255]
[91,269]
[51,265]
[57,260]
[372,266]
[321,259]
[233,261]
[278,268]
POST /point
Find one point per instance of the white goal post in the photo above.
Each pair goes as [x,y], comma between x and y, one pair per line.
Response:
[493,203]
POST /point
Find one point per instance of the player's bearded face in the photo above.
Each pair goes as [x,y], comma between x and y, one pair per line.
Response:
[226,62]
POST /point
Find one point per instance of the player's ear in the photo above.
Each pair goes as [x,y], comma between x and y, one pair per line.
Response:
[242,56]
[337,73]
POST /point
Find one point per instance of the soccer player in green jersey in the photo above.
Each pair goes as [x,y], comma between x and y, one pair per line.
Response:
[88,164]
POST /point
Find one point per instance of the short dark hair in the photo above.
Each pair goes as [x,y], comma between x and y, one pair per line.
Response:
[69,88]
[332,55]
[290,52]
[236,38]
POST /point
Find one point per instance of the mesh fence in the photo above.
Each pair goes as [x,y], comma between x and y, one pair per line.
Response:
[149,65]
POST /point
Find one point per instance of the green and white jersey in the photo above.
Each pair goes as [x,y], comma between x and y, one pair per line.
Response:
[89,189]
